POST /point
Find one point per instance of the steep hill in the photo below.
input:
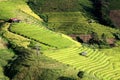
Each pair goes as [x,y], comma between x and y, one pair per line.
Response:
[27,65]
[5,56]
[69,20]
[42,54]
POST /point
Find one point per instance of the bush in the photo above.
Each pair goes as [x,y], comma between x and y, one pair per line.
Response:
[65,78]
[49,74]
[79,40]
[14,66]
[117,36]
[44,17]
[80,74]
[32,44]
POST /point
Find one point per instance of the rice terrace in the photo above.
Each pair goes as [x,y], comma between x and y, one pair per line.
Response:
[59,40]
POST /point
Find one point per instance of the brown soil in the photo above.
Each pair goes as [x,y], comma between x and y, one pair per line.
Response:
[84,37]
[111,41]
[115,17]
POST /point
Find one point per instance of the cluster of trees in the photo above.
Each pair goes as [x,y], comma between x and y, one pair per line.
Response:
[101,11]
[18,61]
[102,43]
[95,40]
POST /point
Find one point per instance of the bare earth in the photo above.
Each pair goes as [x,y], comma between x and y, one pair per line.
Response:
[115,17]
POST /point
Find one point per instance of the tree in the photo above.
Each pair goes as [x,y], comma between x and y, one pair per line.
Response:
[117,36]
[94,39]
[103,36]
[80,74]
[79,40]
[65,78]
[94,36]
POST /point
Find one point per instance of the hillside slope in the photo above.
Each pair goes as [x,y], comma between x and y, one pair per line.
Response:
[46,55]
[5,55]
[42,65]
[70,20]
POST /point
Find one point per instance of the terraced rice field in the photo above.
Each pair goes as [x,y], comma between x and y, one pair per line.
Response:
[76,23]
[19,40]
[94,63]
[43,35]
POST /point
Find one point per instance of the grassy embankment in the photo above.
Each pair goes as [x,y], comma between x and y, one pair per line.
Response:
[28,62]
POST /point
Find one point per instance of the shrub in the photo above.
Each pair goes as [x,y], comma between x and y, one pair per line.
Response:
[14,66]
[79,40]
[117,36]
[32,44]
[65,78]
[80,74]
[44,17]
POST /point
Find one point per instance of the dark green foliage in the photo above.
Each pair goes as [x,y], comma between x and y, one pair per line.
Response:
[44,17]
[49,74]
[52,5]
[101,11]
[80,74]
[79,40]
[103,36]
[94,39]
[65,78]
[100,42]
[117,36]
[28,66]
[114,4]
[5,56]
[14,66]
[94,36]
[32,44]
[12,44]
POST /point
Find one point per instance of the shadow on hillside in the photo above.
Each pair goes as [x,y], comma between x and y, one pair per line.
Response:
[57,6]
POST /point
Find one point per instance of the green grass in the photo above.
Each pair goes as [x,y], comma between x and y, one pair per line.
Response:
[14,8]
[7,12]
